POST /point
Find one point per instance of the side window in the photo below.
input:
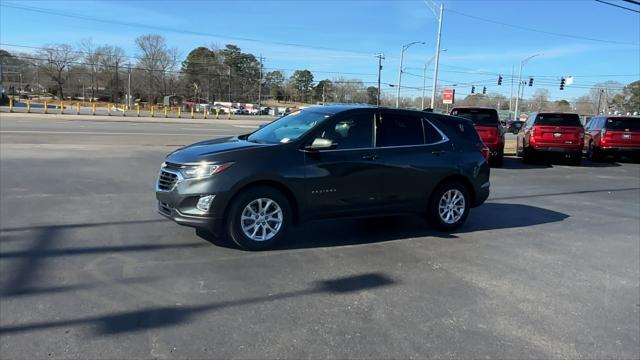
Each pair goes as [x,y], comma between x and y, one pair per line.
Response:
[431,135]
[398,130]
[351,132]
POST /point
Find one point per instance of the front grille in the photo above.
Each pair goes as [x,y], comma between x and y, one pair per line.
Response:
[166,180]
[164,208]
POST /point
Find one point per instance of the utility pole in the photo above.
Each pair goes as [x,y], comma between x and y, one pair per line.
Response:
[511,93]
[435,70]
[229,88]
[599,98]
[260,88]
[323,85]
[380,57]
[424,83]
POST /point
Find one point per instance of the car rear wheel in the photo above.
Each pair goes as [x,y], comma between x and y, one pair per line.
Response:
[449,206]
[498,160]
[528,155]
[592,153]
[258,218]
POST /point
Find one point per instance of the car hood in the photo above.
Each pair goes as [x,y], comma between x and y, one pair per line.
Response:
[208,150]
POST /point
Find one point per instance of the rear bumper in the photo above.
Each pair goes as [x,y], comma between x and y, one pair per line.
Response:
[495,148]
[482,194]
[557,149]
[621,149]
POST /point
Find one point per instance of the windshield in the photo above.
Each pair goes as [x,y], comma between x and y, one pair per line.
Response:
[558,120]
[632,124]
[487,117]
[288,128]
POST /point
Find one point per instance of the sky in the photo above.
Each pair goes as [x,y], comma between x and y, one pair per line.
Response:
[481,40]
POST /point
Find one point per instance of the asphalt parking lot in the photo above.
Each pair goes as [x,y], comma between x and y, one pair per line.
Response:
[549,267]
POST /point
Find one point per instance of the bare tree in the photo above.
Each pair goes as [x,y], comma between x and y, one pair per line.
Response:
[110,59]
[91,58]
[57,60]
[159,61]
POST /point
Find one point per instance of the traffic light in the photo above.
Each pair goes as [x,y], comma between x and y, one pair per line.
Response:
[499,79]
[473,89]
[484,89]
[530,81]
[562,81]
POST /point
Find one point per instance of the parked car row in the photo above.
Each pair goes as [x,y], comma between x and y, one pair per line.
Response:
[343,161]
[563,133]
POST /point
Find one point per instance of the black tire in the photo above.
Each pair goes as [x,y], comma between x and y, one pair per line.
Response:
[576,159]
[433,213]
[593,154]
[527,155]
[498,160]
[241,201]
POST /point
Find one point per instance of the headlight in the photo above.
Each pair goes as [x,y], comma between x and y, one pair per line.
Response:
[203,170]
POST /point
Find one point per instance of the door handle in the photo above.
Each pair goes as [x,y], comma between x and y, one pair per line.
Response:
[438,152]
[370,157]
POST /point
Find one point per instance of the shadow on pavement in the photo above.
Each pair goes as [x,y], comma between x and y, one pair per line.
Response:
[157,317]
[341,232]
[44,247]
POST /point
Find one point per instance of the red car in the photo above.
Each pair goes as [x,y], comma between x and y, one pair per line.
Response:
[487,124]
[549,133]
[612,135]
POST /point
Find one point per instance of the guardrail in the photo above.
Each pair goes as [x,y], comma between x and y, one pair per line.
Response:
[80,108]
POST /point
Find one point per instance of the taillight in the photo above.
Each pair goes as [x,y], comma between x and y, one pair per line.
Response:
[581,133]
[486,152]
[532,131]
[603,132]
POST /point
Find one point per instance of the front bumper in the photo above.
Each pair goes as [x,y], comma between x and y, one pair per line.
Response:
[203,222]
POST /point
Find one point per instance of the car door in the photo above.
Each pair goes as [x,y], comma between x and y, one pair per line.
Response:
[415,155]
[347,178]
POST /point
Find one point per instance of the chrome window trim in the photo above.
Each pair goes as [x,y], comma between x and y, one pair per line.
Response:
[444,139]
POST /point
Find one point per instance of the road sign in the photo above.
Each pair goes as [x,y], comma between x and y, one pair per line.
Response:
[448,96]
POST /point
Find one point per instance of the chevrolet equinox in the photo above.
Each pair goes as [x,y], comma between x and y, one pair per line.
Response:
[326,162]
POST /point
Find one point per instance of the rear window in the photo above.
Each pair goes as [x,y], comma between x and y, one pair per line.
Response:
[632,124]
[558,120]
[478,116]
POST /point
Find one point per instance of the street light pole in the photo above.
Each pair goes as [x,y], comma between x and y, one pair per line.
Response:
[435,70]
[424,83]
[522,63]
[260,88]
[511,93]
[399,77]
[404,47]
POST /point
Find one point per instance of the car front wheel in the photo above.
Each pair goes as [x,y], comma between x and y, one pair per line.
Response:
[258,218]
[449,206]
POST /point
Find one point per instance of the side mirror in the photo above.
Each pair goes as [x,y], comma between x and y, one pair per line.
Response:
[320,144]
[261,126]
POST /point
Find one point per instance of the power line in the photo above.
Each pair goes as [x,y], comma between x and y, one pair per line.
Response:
[542,31]
[169,29]
[618,6]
